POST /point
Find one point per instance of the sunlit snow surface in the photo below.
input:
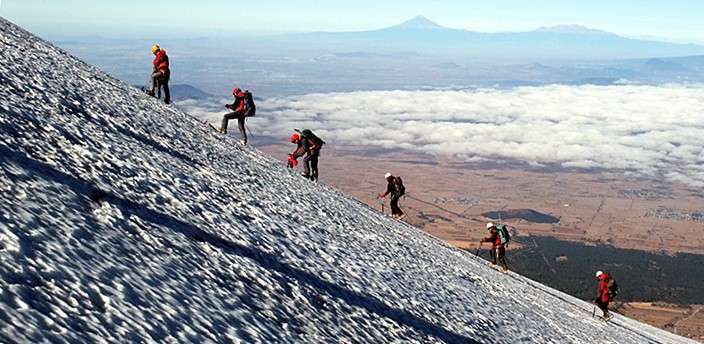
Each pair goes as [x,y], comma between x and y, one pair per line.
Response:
[125,220]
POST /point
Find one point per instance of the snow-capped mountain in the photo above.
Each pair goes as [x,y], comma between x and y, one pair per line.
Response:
[126,220]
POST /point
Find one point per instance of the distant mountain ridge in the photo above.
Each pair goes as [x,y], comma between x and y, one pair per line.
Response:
[185,91]
[579,29]
[423,35]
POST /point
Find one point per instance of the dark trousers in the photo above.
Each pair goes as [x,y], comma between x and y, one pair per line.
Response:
[160,79]
[604,306]
[240,123]
[395,209]
[310,165]
[499,253]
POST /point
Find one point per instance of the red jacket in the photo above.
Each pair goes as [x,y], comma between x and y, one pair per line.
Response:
[238,105]
[304,146]
[494,237]
[161,60]
[603,289]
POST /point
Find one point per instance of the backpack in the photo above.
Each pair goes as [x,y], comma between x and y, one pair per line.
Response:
[309,135]
[400,189]
[612,286]
[249,107]
[503,234]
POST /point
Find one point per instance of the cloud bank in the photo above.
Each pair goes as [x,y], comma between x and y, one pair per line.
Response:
[652,130]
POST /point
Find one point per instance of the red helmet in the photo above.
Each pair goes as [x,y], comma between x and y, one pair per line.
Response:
[295,137]
[237,90]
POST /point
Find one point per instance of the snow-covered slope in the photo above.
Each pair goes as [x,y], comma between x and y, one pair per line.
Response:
[125,220]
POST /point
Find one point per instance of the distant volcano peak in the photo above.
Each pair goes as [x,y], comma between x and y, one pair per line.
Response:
[420,22]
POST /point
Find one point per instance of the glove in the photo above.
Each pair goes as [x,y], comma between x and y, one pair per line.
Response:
[292,160]
[383,195]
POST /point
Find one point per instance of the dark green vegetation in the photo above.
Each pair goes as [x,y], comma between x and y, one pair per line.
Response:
[524,214]
[642,276]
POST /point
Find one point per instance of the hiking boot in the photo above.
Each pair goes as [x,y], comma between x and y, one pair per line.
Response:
[402,216]
[222,131]
[149,92]
[504,270]
[607,316]
[244,142]
[305,175]
[493,266]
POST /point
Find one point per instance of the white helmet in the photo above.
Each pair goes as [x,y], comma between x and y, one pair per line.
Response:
[599,273]
[387,175]
[489,225]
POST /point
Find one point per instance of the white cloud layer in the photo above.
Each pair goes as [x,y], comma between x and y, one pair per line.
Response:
[653,130]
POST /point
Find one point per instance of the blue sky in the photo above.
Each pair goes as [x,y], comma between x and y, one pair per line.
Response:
[675,21]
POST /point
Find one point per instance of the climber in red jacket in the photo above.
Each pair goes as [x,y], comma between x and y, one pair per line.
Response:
[160,74]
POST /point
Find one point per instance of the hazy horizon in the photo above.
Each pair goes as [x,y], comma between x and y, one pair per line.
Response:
[678,22]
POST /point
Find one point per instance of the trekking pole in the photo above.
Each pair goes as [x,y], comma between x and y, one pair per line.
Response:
[479,248]
[405,214]
[594,311]
[408,218]
[250,132]
[381,200]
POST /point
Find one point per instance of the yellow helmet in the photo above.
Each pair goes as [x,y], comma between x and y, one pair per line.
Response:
[155,48]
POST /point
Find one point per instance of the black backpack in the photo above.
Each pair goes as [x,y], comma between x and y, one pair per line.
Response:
[249,107]
[503,234]
[612,286]
[400,189]
[309,135]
